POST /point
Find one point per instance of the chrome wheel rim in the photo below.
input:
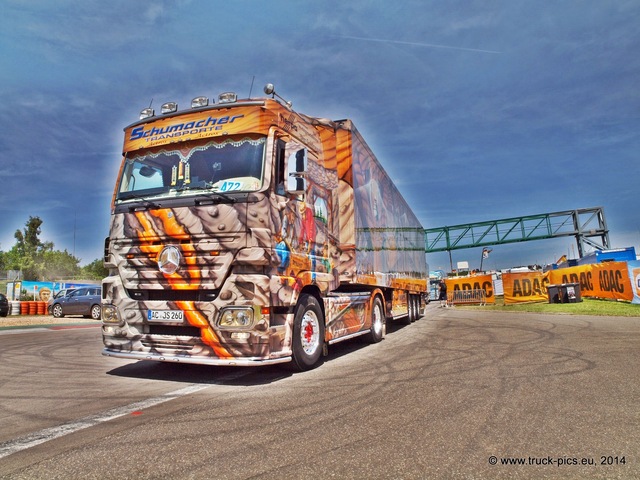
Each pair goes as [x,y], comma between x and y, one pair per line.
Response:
[310,332]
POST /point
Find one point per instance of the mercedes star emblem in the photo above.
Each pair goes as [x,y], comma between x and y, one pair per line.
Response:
[169,259]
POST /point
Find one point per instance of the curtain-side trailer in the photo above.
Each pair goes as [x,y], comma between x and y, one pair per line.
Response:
[244,233]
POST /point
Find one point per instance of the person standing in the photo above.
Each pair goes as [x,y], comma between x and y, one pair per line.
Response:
[442,295]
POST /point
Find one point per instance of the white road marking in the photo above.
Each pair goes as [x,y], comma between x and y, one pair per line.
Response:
[36,438]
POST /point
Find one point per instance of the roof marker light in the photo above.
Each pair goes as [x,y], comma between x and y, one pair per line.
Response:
[169,107]
[227,97]
[146,113]
[199,102]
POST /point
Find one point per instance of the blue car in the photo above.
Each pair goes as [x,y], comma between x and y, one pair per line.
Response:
[83,301]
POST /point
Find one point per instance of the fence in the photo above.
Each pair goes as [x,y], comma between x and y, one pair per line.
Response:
[458,297]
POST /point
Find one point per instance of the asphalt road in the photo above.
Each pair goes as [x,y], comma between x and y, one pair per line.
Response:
[446,397]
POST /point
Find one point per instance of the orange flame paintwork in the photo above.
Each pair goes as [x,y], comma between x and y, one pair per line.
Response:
[172,228]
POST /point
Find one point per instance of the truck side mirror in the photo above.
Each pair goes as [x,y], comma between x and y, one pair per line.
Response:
[296,170]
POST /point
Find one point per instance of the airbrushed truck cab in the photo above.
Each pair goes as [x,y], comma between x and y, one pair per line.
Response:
[244,233]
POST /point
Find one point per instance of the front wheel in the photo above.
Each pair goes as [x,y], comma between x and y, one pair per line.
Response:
[95,312]
[57,311]
[308,333]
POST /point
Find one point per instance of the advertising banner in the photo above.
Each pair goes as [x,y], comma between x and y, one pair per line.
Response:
[634,275]
[525,287]
[480,282]
[602,280]
[609,280]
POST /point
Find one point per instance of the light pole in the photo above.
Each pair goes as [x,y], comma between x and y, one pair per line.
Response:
[485,254]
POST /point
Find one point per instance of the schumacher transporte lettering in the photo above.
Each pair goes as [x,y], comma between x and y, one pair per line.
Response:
[215,123]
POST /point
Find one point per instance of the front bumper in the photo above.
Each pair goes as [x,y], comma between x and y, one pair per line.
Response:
[235,362]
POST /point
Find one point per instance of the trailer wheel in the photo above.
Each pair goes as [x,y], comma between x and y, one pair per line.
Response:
[419,308]
[377,321]
[412,309]
[408,320]
[308,333]
[415,303]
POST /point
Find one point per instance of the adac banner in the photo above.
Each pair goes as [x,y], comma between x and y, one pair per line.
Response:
[634,275]
[480,282]
[525,287]
[609,280]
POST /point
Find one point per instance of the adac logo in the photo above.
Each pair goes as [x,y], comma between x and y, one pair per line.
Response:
[169,259]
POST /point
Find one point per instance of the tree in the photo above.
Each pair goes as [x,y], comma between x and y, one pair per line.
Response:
[39,261]
[59,265]
[30,255]
[27,254]
[95,270]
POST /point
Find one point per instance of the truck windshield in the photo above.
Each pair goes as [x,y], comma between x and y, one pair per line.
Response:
[220,165]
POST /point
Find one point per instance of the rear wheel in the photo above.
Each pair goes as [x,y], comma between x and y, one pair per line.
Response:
[415,302]
[419,309]
[412,309]
[377,321]
[409,318]
[308,333]
[57,311]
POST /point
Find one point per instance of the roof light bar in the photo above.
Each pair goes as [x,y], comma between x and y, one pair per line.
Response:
[146,113]
[227,97]
[199,102]
[169,107]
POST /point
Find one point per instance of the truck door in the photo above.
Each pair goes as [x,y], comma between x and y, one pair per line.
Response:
[307,216]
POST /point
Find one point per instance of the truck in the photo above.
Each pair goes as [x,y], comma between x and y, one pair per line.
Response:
[245,233]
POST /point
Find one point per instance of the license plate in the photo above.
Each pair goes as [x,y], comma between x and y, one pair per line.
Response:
[165,315]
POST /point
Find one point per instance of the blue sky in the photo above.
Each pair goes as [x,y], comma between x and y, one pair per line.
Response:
[479,110]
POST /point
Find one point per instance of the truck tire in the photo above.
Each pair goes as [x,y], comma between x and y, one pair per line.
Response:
[419,312]
[415,303]
[410,318]
[377,321]
[412,309]
[308,333]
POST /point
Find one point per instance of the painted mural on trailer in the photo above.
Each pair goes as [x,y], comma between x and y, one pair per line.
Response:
[390,238]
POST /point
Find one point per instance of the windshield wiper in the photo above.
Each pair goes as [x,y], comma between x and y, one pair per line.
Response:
[205,191]
[213,196]
[146,204]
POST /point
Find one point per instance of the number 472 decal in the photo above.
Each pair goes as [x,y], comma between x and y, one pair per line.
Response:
[228,186]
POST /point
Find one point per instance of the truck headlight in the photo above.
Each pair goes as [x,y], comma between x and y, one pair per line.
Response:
[236,317]
[110,314]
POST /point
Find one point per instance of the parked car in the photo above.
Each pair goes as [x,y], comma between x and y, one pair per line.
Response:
[81,301]
[59,294]
[4,305]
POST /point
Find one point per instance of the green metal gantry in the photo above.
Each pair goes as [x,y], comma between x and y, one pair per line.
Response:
[587,225]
